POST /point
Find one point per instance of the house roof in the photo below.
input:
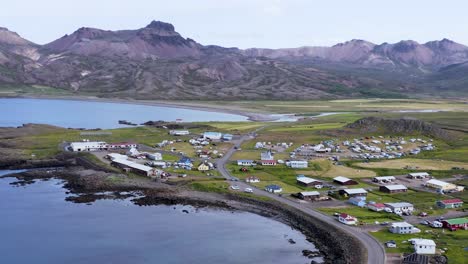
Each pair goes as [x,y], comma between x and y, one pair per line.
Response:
[244,161]
[273,186]
[437,182]
[396,187]
[354,191]
[419,174]
[311,193]
[457,221]
[401,224]
[306,180]
[378,205]
[385,178]
[423,242]
[398,205]
[451,201]
[341,179]
[347,216]
[133,165]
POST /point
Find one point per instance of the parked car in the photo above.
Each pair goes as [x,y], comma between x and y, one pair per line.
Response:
[248,190]
[423,214]
[235,187]
[424,222]
[390,244]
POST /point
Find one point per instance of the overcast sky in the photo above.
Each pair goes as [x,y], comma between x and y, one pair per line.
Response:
[248,23]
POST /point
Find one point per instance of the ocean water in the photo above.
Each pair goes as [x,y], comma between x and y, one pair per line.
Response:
[84,114]
[38,226]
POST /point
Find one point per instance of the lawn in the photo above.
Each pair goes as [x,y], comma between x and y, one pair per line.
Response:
[287,189]
[455,242]
[420,164]
[328,170]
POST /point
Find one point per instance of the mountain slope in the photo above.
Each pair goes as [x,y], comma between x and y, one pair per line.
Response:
[156,62]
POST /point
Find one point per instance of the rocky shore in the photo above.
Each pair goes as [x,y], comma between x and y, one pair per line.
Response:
[87,184]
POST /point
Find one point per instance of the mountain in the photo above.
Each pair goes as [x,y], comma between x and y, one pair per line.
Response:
[156,62]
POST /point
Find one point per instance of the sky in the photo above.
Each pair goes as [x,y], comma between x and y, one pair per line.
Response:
[248,23]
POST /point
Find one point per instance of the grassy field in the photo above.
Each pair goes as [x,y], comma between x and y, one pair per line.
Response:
[454,242]
[329,170]
[420,164]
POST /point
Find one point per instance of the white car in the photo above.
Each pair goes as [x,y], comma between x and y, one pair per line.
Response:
[318,186]
[248,190]
[235,187]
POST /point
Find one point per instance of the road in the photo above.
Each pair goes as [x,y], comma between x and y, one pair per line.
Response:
[375,250]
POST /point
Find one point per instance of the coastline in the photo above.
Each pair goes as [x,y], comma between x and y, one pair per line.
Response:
[86,184]
[251,116]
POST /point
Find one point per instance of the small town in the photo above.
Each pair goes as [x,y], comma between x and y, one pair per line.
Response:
[403,211]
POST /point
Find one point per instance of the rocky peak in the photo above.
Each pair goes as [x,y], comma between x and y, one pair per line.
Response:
[159,25]
[12,38]
[446,45]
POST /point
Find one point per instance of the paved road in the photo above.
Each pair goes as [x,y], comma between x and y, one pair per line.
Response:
[375,250]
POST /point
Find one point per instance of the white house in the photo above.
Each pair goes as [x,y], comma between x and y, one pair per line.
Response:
[418,175]
[399,208]
[212,135]
[273,188]
[154,156]
[297,164]
[347,219]
[403,228]
[423,246]
[440,185]
[252,179]
[179,132]
[384,179]
[133,152]
[245,162]
[88,146]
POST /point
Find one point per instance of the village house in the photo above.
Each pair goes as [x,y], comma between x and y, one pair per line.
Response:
[113,156]
[358,201]
[401,207]
[376,207]
[456,223]
[267,158]
[134,167]
[154,156]
[450,203]
[88,146]
[122,145]
[179,132]
[397,188]
[297,164]
[403,228]
[252,179]
[273,188]
[227,137]
[440,185]
[344,181]
[245,162]
[384,179]
[418,175]
[133,152]
[185,162]
[423,246]
[307,182]
[353,192]
[310,196]
[212,135]
[347,219]
[203,167]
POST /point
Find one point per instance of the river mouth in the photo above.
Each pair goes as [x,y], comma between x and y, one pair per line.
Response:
[118,231]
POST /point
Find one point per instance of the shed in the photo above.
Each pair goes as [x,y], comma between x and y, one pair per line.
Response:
[393,188]
[307,182]
[353,192]
[312,195]
[384,179]
[456,223]
[344,181]
[418,175]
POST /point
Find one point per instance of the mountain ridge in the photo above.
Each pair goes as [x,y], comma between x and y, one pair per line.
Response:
[157,62]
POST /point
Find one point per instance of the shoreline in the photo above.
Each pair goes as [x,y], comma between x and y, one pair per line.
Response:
[85,184]
[251,116]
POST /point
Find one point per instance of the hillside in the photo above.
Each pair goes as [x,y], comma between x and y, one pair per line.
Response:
[156,62]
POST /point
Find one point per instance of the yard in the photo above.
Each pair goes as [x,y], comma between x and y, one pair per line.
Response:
[363,215]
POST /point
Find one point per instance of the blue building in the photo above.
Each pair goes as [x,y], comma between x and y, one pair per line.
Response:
[358,201]
[273,188]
